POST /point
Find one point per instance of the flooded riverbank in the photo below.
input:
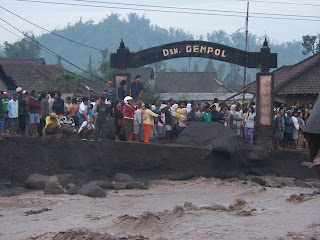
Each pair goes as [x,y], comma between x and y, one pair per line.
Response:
[200,208]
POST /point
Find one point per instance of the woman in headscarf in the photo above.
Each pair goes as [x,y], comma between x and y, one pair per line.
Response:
[278,129]
[235,119]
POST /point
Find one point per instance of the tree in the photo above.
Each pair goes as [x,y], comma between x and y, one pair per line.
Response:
[24,48]
[67,81]
[90,70]
[149,94]
[59,62]
[234,77]
[106,71]
[195,67]
[104,54]
[209,67]
[311,44]
[221,71]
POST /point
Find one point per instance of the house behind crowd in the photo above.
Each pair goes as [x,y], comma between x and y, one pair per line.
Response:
[35,74]
[193,86]
[299,82]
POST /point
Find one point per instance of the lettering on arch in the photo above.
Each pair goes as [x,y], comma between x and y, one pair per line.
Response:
[126,59]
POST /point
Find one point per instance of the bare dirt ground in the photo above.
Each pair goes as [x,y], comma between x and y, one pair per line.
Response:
[199,208]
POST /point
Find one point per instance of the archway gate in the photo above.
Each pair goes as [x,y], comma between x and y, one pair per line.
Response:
[263,60]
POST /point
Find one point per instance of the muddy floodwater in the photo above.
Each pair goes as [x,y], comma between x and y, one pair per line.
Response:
[200,208]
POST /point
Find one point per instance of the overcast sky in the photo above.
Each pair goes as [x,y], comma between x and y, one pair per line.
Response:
[57,16]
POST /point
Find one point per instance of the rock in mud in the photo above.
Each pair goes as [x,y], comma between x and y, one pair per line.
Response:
[70,186]
[136,185]
[73,191]
[53,186]
[259,180]
[103,184]
[121,177]
[36,181]
[182,177]
[92,190]
[119,185]
[213,136]
[65,179]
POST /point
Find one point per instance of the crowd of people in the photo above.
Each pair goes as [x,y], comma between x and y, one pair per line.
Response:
[289,125]
[48,114]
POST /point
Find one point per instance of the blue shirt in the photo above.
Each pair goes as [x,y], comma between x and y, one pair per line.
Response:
[287,124]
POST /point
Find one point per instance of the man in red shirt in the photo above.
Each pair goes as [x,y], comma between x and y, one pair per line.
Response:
[34,112]
[128,113]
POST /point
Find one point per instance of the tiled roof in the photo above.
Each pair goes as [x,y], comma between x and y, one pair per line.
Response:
[188,82]
[31,76]
[39,61]
[301,78]
[7,80]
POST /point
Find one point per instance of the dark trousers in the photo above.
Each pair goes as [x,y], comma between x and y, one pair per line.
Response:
[313,144]
[22,124]
[40,127]
[118,128]
[101,129]
[86,134]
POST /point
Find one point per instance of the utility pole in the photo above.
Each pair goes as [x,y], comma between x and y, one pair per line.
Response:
[246,49]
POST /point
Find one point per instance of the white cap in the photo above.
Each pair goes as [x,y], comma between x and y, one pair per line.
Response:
[126,99]
[18,89]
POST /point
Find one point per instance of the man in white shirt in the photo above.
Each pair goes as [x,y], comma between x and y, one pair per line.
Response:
[295,134]
[12,108]
[86,131]
[83,111]
[137,123]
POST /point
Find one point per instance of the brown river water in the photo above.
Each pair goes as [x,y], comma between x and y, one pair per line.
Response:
[200,208]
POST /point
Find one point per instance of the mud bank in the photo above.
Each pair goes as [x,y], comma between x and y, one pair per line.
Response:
[100,159]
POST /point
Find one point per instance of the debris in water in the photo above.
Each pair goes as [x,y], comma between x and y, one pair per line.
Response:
[37,211]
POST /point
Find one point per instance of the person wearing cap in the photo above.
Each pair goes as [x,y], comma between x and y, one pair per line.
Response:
[128,112]
[136,88]
[13,114]
[2,117]
[110,93]
[86,130]
[288,128]
[122,90]
[52,127]
[23,112]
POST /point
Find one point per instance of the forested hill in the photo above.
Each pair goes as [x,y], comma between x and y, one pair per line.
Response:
[139,33]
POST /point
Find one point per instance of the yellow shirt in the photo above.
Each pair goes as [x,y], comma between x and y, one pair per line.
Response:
[49,121]
[178,113]
[148,117]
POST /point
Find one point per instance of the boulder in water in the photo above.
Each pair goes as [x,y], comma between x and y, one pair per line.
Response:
[36,181]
